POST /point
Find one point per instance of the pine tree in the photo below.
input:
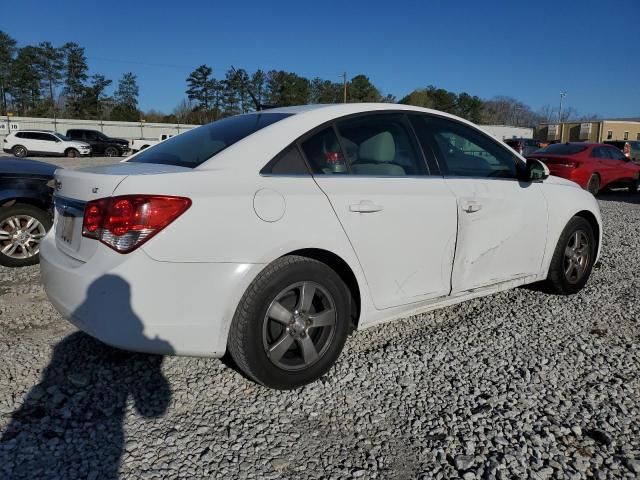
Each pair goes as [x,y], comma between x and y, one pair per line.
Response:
[7,53]
[75,76]
[50,66]
[126,99]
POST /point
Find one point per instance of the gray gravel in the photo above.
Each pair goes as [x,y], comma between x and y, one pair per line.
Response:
[518,385]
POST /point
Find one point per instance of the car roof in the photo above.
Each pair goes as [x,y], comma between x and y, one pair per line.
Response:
[33,130]
[302,119]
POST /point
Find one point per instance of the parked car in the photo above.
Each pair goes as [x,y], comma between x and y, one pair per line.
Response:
[593,166]
[273,234]
[524,146]
[142,143]
[25,209]
[630,149]
[43,142]
[100,143]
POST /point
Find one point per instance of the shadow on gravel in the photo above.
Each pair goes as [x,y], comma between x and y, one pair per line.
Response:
[70,425]
[619,196]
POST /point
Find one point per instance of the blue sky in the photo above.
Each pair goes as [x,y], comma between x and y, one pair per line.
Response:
[530,50]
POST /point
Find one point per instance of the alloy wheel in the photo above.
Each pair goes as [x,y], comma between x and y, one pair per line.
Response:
[577,254]
[299,326]
[20,236]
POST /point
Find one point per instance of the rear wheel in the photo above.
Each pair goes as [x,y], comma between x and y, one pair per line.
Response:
[594,184]
[19,151]
[291,323]
[573,258]
[72,153]
[111,152]
[22,227]
[633,186]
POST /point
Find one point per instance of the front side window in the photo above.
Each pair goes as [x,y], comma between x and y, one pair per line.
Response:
[463,151]
[194,147]
[91,136]
[615,154]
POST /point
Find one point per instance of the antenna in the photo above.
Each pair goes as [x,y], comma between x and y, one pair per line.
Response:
[259,106]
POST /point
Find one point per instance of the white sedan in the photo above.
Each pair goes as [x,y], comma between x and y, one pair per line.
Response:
[271,235]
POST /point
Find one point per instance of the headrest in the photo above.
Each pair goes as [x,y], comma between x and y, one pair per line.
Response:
[378,149]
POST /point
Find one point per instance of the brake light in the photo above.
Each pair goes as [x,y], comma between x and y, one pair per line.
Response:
[570,164]
[126,222]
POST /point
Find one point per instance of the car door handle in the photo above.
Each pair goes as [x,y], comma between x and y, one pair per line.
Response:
[471,207]
[365,206]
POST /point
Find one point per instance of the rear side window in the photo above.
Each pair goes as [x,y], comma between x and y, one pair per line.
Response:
[74,134]
[563,149]
[192,148]
[380,145]
[324,153]
[289,162]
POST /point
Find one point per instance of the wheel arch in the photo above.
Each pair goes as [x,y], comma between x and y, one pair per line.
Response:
[593,221]
[344,271]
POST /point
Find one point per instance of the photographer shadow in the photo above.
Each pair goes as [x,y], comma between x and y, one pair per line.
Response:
[70,425]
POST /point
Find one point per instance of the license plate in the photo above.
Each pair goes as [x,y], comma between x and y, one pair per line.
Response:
[65,230]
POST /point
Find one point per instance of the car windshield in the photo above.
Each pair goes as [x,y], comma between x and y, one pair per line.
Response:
[191,148]
[563,149]
[62,137]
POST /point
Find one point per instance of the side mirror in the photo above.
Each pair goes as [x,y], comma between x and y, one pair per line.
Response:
[536,170]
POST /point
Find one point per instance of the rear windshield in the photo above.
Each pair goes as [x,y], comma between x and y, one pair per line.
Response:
[563,149]
[191,148]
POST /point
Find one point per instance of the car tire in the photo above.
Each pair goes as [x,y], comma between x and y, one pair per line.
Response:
[593,186]
[14,252]
[573,258]
[19,151]
[72,153]
[273,339]
[633,186]
[111,152]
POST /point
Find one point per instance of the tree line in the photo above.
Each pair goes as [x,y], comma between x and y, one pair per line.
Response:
[54,81]
[46,80]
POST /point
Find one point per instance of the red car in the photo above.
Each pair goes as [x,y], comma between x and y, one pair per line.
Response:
[593,166]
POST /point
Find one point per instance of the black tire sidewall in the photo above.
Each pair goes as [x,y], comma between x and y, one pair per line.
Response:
[72,153]
[18,148]
[114,150]
[556,271]
[22,209]
[595,178]
[259,366]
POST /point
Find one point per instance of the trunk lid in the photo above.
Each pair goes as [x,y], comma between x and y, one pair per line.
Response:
[74,188]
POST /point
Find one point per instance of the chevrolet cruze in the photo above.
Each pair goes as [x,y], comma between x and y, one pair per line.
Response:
[271,235]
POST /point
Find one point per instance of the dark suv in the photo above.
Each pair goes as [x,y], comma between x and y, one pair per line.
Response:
[100,143]
[630,148]
[524,146]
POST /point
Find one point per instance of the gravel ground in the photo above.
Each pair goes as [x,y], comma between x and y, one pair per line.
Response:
[517,385]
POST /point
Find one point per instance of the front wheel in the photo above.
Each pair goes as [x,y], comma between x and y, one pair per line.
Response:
[19,151]
[573,258]
[111,152]
[72,153]
[22,227]
[291,323]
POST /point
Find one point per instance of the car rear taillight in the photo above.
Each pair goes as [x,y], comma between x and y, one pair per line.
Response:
[126,222]
[569,164]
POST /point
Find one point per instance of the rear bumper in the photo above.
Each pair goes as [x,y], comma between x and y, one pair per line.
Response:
[136,303]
